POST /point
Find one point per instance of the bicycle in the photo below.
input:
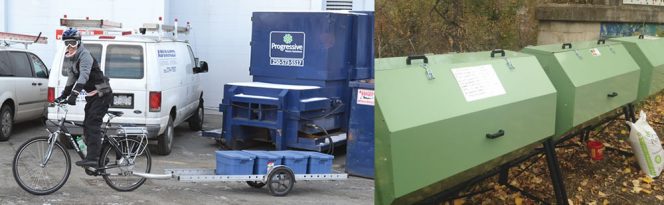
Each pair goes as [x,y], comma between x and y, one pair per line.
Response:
[42,165]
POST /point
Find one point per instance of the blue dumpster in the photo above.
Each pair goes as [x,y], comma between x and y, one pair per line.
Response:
[360,148]
[301,63]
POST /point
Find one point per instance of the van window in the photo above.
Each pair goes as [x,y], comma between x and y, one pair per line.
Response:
[38,66]
[124,61]
[95,50]
[5,65]
[21,64]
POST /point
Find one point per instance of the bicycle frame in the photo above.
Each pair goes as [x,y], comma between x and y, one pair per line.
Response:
[61,129]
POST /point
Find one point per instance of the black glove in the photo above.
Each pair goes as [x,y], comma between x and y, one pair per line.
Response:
[71,100]
[65,93]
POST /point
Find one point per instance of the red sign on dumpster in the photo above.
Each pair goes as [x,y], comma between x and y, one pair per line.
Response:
[365,97]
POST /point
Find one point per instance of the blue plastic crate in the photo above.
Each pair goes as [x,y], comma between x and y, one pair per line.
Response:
[318,163]
[234,163]
[294,160]
[262,160]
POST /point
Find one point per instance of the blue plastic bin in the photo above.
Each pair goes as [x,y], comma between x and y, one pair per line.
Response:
[234,163]
[318,163]
[262,159]
[294,160]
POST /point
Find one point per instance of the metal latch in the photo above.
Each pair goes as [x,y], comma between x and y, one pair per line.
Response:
[428,72]
[569,45]
[507,60]
[603,42]
[425,65]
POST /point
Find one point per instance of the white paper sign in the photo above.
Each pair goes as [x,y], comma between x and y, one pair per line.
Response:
[478,82]
[595,52]
[365,97]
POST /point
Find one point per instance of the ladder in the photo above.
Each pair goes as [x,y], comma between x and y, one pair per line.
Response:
[7,39]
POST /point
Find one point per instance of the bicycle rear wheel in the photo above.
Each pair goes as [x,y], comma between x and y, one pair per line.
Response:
[34,176]
[140,160]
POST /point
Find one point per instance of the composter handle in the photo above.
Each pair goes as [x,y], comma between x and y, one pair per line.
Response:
[641,36]
[498,134]
[602,41]
[567,44]
[417,57]
[613,94]
[501,51]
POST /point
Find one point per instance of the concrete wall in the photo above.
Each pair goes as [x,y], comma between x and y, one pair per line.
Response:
[569,22]
[551,32]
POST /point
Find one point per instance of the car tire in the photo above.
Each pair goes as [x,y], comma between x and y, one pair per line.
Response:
[165,141]
[6,122]
[196,120]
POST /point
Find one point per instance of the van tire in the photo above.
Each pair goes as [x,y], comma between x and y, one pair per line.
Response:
[165,141]
[6,122]
[196,120]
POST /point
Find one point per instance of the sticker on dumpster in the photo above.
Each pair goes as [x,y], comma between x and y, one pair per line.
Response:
[365,97]
[287,48]
[478,82]
[595,52]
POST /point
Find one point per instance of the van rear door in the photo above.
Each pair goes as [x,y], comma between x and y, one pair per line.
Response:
[125,65]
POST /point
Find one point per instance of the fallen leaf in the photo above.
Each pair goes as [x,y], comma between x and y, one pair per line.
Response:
[518,200]
[660,197]
[592,203]
[647,180]
[570,202]
[459,201]
[606,202]
[623,132]
[627,170]
[601,194]
[636,189]
[584,182]
[646,191]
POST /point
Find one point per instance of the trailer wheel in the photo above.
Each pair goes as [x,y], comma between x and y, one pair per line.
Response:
[256,185]
[280,181]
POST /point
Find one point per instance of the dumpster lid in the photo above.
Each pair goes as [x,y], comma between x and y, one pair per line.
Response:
[637,39]
[274,86]
[558,48]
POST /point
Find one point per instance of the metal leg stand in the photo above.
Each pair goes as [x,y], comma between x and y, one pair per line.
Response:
[554,170]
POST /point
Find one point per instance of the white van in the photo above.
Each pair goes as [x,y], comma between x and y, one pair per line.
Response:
[155,82]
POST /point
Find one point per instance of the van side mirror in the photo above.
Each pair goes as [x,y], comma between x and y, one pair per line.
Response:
[203,68]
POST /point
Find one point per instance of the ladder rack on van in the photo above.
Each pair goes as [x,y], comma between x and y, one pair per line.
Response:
[6,39]
[88,27]
[160,28]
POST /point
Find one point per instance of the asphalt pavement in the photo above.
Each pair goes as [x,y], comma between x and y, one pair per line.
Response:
[189,151]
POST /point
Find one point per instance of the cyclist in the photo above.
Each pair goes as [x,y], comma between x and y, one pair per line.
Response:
[85,74]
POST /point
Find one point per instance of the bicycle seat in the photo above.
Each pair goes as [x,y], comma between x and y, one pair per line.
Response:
[115,113]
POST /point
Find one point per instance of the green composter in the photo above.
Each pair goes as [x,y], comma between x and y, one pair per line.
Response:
[647,51]
[592,78]
[442,119]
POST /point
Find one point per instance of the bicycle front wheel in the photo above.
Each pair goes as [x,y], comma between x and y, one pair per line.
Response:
[36,175]
[136,159]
